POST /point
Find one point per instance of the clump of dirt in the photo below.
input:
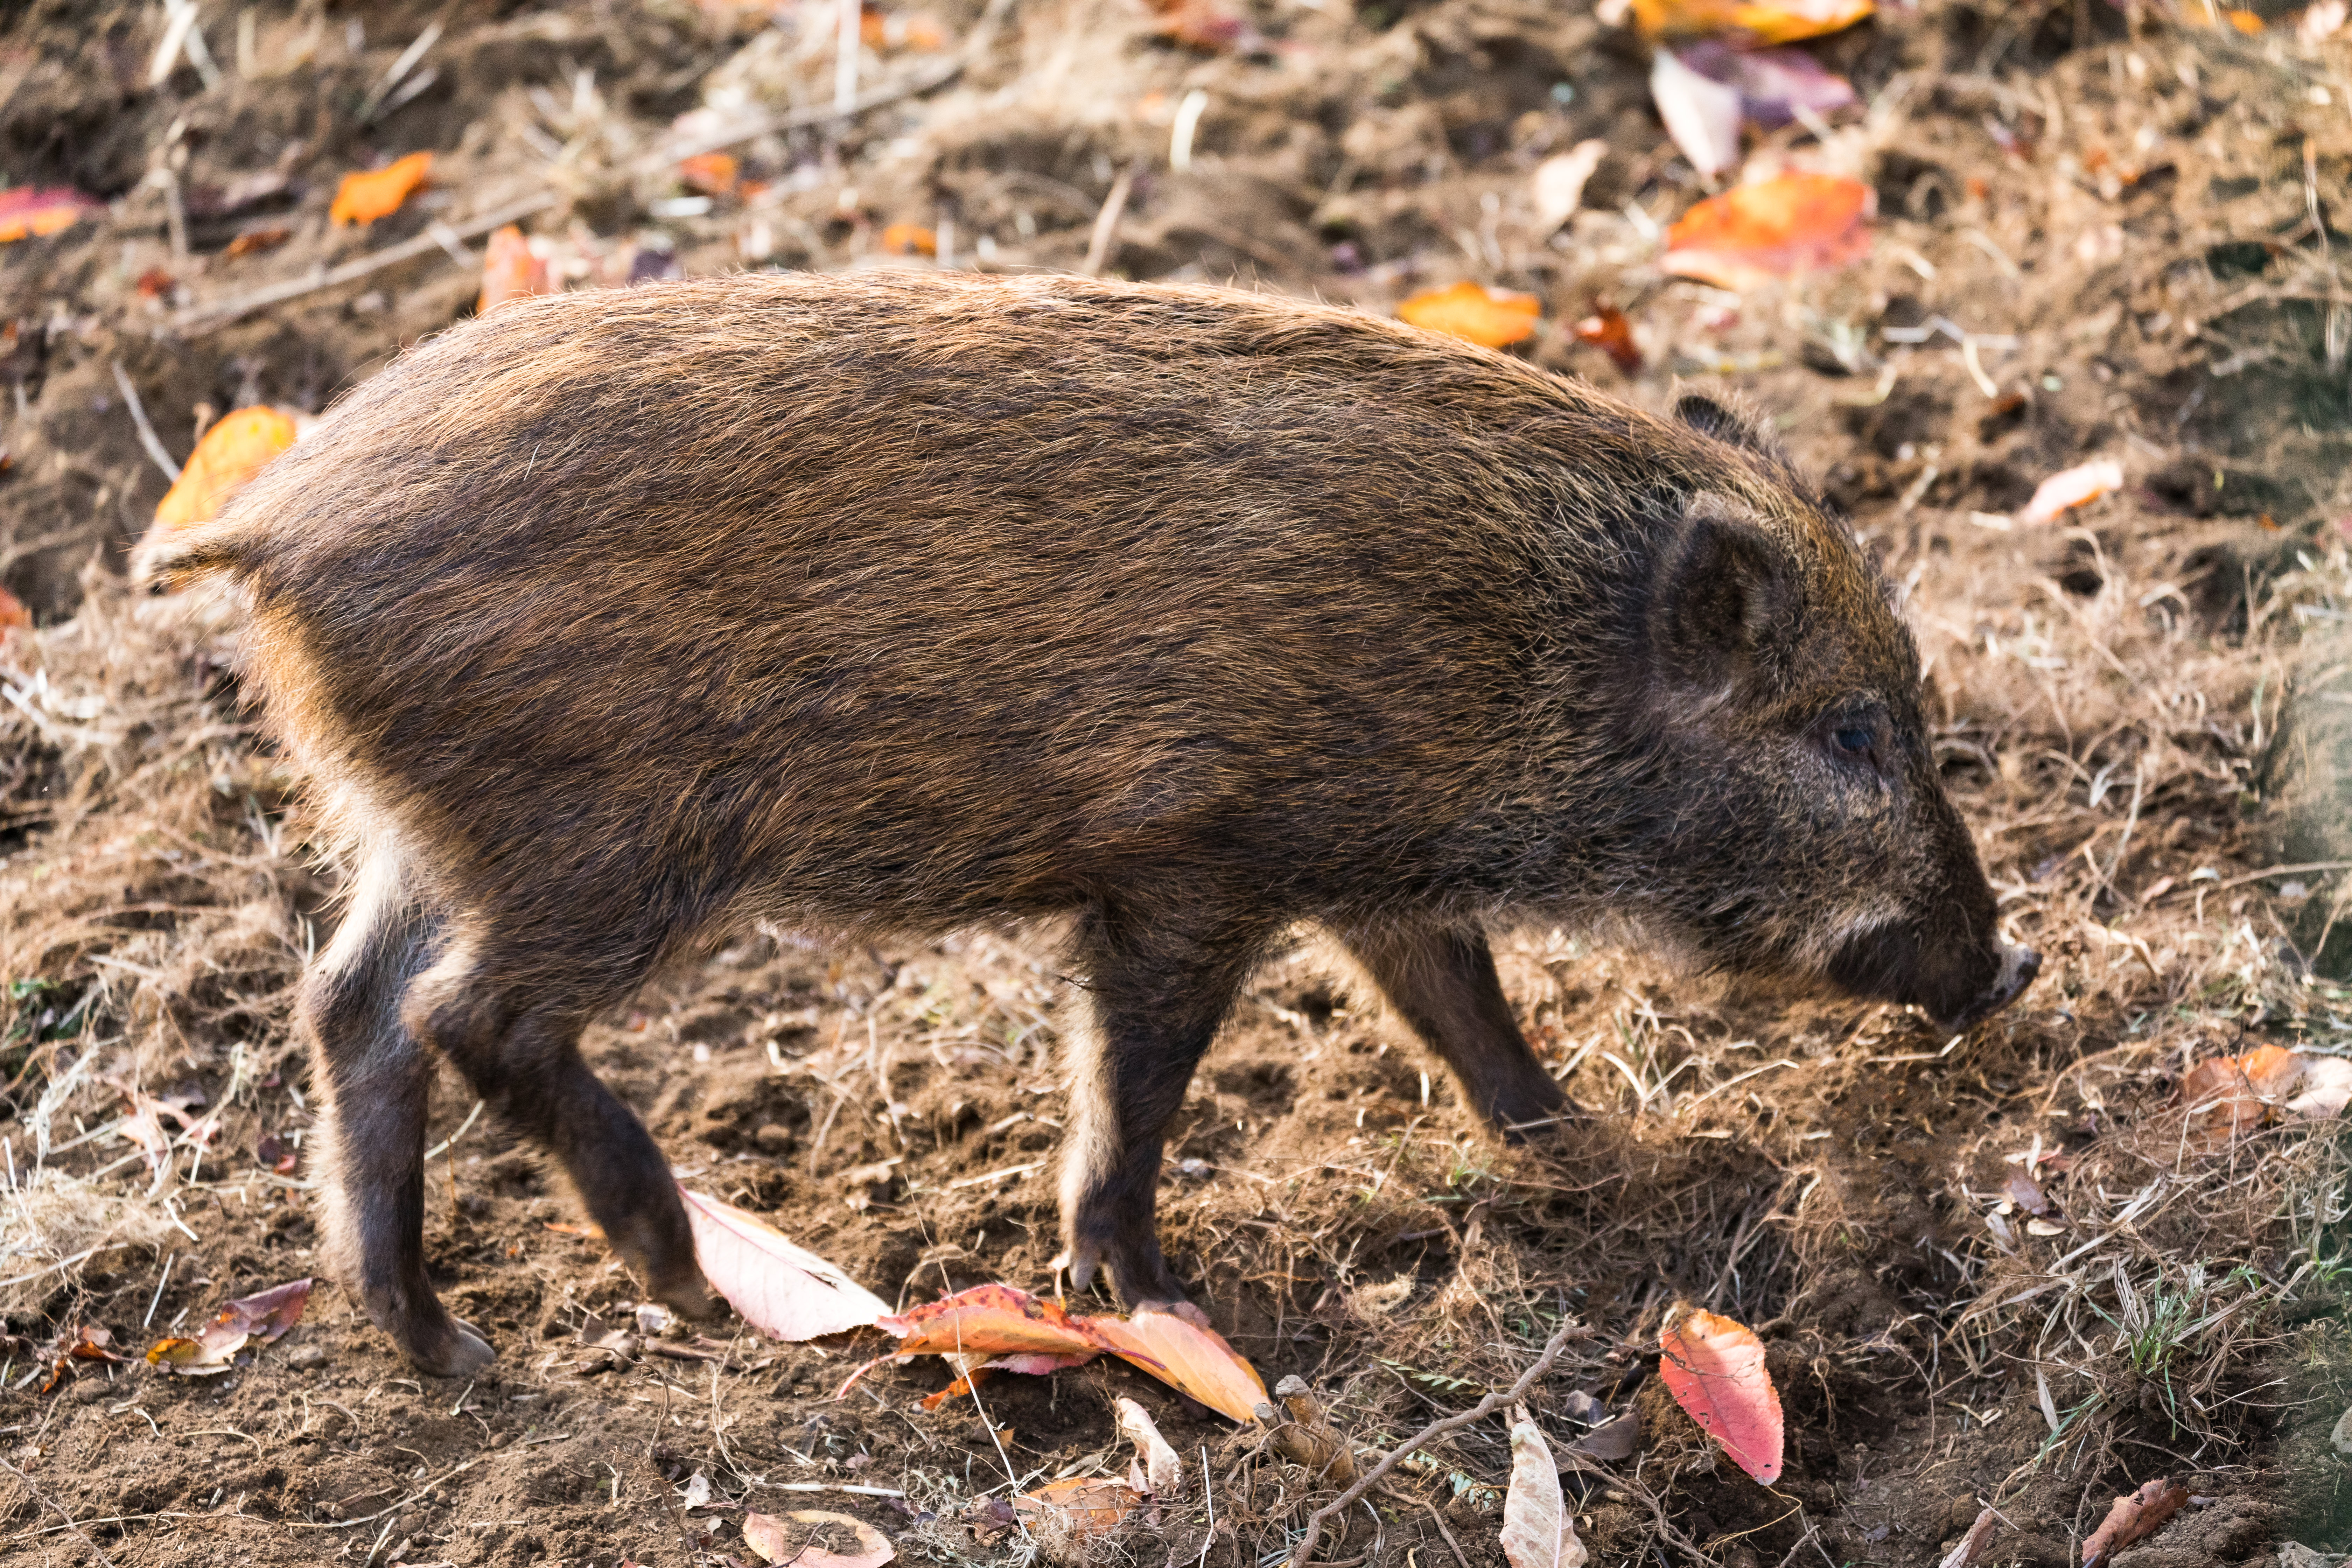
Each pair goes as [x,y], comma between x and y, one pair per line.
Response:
[2101,233]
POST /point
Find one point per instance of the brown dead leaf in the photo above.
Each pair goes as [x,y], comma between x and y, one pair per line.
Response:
[2133,1517]
[1973,1543]
[1539,1531]
[1082,1505]
[810,1538]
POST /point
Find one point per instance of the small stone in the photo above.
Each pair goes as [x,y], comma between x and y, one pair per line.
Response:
[307,1358]
[89,1391]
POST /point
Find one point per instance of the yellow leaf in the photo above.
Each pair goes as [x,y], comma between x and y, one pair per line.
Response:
[235,449]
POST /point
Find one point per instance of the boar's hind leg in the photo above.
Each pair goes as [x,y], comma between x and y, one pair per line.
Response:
[1158,988]
[375,1077]
[1441,980]
[508,1016]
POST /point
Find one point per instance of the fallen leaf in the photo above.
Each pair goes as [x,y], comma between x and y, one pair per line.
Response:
[712,174]
[1082,1505]
[1206,26]
[260,237]
[1609,331]
[2133,1517]
[510,270]
[1537,1530]
[1000,1319]
[2026,1193]
[1714,1369]
[2245,21]
[238,446]
[784,1290]
[1775,86]
[85,1341]
[1188,1358]
[1773,22]
[2072,488]
[1163,1472]
[1559,180]
[1771,228]
[264,1316]
[1702,115]
[909,239]
[1613,1440]
[372,193]
[1492,317]
[2326,1085]
[1973,1543]
[14,616]
[793,1538]
[42,210]
[154,283]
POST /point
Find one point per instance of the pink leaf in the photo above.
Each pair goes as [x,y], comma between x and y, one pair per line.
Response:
[1714,1369]
[1701,114]
[1774,85]
[786,1290]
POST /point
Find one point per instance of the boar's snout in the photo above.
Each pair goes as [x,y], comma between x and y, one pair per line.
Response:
[2018,965]
[1958,979]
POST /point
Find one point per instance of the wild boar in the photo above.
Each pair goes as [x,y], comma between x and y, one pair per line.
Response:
[614,622]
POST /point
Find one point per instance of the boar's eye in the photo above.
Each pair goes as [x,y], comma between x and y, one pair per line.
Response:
[1854,741]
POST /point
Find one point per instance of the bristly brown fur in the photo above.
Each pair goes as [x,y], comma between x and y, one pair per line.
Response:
[898,603]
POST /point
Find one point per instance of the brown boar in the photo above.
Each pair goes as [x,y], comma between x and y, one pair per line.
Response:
[615,621]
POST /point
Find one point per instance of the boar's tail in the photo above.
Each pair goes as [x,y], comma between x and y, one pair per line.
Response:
[174,558]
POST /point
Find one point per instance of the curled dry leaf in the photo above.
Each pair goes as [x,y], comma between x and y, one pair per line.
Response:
[36,210]
[2072,487]
[262,1316]
[372,194]
[2026,1194]
[1714,1369]
[783,1289]
[1771,228]
[2322,1090]
[1768,22]
[2133,1517]
[1163,1472]
[1082,1506]
[1973,1543]
[2228,1095]
[1491,317]
[1609,329]
[810,1538]
[1000,1319]
[1702,115]
[1559,180]
[510,270]
[238,446]
[1537,1530]
[1774,85]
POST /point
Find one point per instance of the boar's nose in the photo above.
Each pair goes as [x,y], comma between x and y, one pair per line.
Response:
[2018,965]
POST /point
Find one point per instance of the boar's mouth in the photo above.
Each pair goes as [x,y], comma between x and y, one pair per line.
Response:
[1957,981]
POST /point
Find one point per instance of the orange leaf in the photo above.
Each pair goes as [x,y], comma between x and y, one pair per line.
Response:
[1609,331]
[793,1539]
[510,270]
[2231,1095]
[1186,1357]
[909,239]
[238,446]
[1468,310]
[996,1318]
[1000,1321]
[1770,23]
[264,1316]
[42,210]
[263,238]
[378,193]
[1083,1505]
[712,174]
[2245,21]
[1714,1369]
[1773,228]
[783,1290]
[12,613]
[2133,1517]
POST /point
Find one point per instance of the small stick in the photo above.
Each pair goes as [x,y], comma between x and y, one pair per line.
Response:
[158,1300]
[1210,1492]
[1569,1329]
[1439,1520]
[70,1524]
[147,437]
[1103,244]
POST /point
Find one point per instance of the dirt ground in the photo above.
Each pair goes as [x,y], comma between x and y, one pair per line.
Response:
[2101,233]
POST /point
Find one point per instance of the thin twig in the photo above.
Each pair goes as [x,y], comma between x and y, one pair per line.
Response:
[1439,1520]
[77,1530]
[1103,244]
[147,437]
[1569,1329]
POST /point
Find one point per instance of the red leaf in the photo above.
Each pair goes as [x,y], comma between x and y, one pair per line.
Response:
[1608,330]
[42,210]
[1714,1369]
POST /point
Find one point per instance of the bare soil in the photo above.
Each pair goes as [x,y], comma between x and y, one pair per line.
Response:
[2127,223]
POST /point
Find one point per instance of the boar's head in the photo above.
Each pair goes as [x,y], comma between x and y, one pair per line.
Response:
[1799,819]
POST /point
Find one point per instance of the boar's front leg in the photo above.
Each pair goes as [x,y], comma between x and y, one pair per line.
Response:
[1159,984]
[1441,980]
[375,1078]
[507,1011]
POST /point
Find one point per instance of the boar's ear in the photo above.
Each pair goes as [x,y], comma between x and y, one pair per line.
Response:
[1726,600]
[1732,420]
